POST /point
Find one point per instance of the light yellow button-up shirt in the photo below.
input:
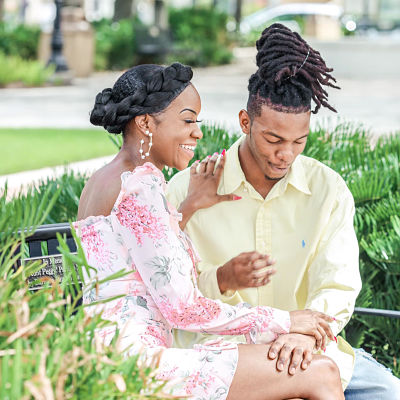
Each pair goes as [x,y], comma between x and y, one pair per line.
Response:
[305,223]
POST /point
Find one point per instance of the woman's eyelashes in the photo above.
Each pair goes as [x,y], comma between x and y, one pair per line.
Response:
[191,121]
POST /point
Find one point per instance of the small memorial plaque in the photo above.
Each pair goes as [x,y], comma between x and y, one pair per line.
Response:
[52,269]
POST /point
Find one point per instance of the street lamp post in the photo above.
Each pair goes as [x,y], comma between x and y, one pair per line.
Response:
[57,59]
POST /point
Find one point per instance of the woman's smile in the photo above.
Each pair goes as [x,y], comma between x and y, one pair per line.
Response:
[188,149]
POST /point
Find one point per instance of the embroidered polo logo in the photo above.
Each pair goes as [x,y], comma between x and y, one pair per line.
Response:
[303,244]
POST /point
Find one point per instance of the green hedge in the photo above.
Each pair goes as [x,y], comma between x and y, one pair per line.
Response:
[115,44]
[200,36]
[19,40]
[373,176]
[18,54]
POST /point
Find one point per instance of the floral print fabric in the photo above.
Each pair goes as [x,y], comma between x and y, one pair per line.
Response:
[141,236]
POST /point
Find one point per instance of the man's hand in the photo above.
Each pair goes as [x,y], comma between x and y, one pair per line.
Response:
[292,351]
[250,269]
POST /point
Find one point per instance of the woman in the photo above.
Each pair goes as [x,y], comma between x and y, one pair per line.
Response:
[131,226]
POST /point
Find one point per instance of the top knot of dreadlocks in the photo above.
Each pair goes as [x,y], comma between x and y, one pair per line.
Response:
[144,89]
[290,74]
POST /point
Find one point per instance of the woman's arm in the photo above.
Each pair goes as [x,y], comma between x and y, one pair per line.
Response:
[150,231]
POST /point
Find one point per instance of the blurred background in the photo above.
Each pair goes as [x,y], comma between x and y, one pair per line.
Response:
[56,55]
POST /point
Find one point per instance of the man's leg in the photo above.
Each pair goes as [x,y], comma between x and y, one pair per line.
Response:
[371,380]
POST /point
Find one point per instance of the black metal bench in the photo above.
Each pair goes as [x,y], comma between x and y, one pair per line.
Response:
[44,240]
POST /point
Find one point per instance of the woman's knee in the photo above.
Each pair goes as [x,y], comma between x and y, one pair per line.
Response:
[325,370]
[325,364]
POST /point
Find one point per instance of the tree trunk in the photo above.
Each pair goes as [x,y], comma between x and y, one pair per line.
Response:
[122,9]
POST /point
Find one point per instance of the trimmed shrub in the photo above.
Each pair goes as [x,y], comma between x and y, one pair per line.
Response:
[13,69]
[200,36]
[115,44]
[19,40]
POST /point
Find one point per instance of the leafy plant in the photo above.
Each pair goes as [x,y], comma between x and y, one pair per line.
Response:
[49,346]
[200,36]
[115,44]
[14,69]
[65,192]
[19,40]
[372,174]
[70,186]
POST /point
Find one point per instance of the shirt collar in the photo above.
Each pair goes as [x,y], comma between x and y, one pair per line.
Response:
[234,175]
[297,176]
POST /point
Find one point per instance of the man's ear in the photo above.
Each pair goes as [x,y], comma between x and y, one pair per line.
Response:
[244,121]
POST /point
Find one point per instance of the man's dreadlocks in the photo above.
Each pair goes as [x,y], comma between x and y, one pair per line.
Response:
[290,74]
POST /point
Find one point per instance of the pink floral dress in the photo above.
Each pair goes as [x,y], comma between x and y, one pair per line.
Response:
[142,237]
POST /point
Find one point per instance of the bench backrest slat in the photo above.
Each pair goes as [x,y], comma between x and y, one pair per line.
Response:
[71,244]
[52,245]
[35,248]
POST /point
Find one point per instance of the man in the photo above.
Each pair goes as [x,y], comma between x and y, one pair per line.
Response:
[292,207]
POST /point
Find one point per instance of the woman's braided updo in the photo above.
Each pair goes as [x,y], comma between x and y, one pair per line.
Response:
[290,74]
[144,89]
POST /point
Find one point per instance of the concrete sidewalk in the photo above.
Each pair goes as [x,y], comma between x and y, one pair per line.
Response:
[19,182]
[375,103]
[223,89]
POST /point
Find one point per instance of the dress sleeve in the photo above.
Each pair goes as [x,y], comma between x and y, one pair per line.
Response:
[149,228]
[334,276]
[207,280]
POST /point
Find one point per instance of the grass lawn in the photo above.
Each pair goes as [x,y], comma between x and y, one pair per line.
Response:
[25,149]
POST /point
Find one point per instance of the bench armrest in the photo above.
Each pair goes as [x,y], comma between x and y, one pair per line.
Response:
[377,312]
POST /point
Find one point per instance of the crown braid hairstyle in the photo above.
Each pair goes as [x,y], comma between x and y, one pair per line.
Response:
[144,89]
[290,74]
